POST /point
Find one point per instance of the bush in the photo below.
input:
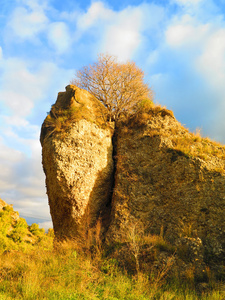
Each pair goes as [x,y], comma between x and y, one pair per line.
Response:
[35,230]
[19,231]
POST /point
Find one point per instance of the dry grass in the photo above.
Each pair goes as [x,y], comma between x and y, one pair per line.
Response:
[143,115]
[60,119]
[68,273]
[193,145]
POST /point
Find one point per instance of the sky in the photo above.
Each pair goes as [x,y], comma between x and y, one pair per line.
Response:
[179,44]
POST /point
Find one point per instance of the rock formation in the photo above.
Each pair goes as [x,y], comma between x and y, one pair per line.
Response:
[77,160]
[170,180]
[167,179]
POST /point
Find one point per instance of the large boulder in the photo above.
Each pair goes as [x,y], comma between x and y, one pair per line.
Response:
[77,160]
[169,180]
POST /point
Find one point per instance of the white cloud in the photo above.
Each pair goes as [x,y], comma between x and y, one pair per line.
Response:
[211,63]
[34,4]
[118,32]
[8,156]
[22,181]
[123,36]
[17,102]
[46,225]
[58,35]
[26,24]
[22,86]
[207,42]
[16,121]
[96,12]
[19,87]
[187,32]
[197,34]
[1,53]
[188,2]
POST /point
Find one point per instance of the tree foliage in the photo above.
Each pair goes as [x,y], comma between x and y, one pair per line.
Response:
[119,86]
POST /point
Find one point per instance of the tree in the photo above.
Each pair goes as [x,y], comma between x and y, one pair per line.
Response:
[119,86]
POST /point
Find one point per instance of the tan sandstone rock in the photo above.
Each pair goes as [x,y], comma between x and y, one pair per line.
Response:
[77,160]
[169,180]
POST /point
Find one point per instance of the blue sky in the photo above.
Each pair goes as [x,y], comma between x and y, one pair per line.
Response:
[180,44]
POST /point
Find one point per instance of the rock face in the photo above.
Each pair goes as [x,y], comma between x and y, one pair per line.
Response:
[167,179]
[77,161]
[162,182]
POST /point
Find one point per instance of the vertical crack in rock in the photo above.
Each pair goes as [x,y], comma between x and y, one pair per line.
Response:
[106,213]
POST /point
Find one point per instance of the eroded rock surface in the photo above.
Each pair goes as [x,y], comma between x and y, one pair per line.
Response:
[168,181]
[77,160]
[171,181]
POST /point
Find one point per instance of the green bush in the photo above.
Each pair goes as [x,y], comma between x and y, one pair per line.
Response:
[6,219]
[35,230]
[19,231]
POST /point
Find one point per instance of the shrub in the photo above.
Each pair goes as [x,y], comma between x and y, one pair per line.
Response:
[19,231]
[35,230]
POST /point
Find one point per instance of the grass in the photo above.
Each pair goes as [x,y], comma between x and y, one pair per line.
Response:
[193,145]
[31,268]
[66,274]
[190,144]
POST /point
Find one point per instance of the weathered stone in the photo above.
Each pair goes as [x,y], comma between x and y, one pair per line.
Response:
[78,163]
[171,191]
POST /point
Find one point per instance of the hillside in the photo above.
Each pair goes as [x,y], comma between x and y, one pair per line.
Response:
[15,234]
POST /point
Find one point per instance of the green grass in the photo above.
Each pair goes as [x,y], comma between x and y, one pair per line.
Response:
[31,268]
[66,274]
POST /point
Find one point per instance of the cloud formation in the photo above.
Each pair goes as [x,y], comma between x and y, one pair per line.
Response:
[59,36]
[26,23]
[188,2]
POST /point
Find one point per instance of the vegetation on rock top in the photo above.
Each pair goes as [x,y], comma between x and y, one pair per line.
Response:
[118,86]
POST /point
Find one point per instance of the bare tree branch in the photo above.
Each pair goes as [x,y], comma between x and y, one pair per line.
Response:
[119,86]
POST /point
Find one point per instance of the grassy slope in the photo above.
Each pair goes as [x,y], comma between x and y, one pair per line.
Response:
[42,274]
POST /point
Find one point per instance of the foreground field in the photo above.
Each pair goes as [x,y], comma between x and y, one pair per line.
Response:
[31,268]
[65,274]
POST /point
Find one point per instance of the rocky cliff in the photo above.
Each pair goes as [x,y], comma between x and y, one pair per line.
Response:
[150,170]
[170,180]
